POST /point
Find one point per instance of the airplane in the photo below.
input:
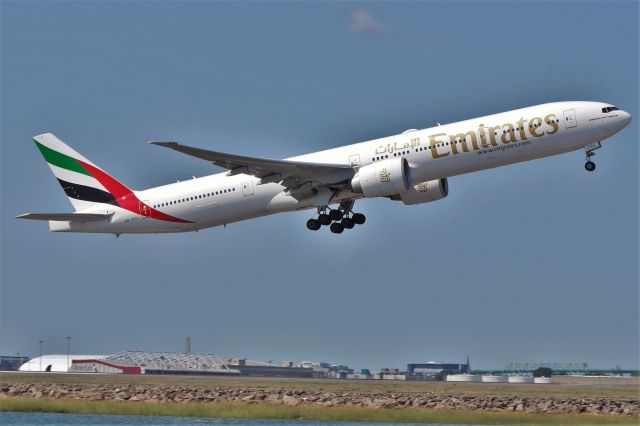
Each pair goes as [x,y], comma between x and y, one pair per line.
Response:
[412,167]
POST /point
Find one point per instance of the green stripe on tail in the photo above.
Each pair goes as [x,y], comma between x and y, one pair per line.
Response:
[61,160]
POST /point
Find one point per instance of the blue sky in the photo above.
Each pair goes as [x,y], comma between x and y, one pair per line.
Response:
[532,262]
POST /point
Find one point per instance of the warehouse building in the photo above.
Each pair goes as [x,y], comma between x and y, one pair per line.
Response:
[12,363]
[57,363]
[432,368]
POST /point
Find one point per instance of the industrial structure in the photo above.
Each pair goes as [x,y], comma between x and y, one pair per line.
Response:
[56,363]
[140,362]
[188,363]
[12,363]
[432,368]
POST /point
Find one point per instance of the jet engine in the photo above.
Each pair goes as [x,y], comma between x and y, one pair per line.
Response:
[383,178]
[424,192]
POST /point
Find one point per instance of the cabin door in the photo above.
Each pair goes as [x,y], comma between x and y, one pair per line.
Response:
[247,187]
[570,118]
[145,210]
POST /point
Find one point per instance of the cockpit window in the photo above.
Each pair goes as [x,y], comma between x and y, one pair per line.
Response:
[609,109]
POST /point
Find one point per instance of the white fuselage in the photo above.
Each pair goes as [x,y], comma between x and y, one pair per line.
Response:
[432,153]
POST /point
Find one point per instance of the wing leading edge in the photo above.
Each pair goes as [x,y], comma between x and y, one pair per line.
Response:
[292,172]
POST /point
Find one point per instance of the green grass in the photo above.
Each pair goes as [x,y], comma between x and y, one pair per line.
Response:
[628,390]
[271,411]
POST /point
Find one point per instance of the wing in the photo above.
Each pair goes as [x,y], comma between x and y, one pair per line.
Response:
[72,217]
[289,173]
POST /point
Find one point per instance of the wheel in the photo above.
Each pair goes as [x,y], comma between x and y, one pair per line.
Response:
[347,223]
[358,218]
[590,166]
[335,214]
[313,225]
[336,228]
[324,219]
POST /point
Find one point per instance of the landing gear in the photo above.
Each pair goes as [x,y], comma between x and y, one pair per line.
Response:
[338,220]
[336,228]
[359,218]
[347,223]
[335,215]
[313,224]
[590,165]
[324,219]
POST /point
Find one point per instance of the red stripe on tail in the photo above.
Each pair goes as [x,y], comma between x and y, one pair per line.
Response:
[125,197]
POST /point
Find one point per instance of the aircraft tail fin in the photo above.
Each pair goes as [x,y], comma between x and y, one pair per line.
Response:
[84,183]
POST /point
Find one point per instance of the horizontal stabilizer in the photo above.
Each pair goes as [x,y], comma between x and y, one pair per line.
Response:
[72,217]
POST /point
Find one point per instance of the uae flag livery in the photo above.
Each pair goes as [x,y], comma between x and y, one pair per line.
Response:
[86,184]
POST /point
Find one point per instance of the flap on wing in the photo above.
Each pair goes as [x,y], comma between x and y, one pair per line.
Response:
[260,167]
[72,217]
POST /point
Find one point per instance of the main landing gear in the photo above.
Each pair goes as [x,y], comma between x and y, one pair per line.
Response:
[338,220]
[590,165]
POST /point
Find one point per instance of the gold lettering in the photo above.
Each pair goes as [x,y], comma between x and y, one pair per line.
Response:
[551,120]
[521,122]
[483,137]
[510,132]
[533,126]
[492,135]
[433,145]
[463,141]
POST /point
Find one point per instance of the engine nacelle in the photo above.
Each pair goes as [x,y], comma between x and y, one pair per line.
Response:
[424,192]
[382,178]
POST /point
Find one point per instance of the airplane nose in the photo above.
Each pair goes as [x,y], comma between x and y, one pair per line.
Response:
[626,118]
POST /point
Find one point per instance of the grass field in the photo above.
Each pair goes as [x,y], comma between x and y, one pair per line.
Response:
[617,388]
[268,411]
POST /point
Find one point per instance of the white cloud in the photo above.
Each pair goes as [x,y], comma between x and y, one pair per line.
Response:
[363,22]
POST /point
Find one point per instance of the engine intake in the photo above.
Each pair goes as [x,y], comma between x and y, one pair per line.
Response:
[382,178]
[424,192]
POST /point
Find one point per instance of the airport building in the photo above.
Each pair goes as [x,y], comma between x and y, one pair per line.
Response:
[57,363]
[12,363]
[432,368]
[142,362]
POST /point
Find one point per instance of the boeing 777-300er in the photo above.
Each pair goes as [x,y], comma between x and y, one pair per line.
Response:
[411,167]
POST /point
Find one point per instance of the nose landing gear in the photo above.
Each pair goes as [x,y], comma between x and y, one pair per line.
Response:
[590,165]
[338,220]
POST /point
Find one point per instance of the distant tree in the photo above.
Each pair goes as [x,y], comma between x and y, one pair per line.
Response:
[542,372]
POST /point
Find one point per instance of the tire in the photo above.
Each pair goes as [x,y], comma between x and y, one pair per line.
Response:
[313,225]
[590,166]
[358,218]
[347,223]
[336,228]
[324,219]
[335,215]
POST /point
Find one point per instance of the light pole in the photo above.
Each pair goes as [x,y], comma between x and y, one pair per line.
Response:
[68,351]
[40,341]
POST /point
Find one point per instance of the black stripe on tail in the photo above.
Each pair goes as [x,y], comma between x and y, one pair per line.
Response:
[86,193]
